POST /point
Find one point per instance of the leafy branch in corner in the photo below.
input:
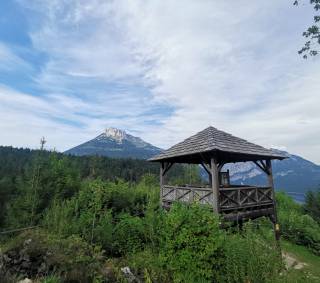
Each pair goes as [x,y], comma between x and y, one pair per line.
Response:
[312,34]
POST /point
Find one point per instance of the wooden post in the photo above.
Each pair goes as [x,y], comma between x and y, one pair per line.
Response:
[274,218]
[215,184]
[162,166]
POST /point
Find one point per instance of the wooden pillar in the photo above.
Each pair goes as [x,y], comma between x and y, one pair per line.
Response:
[162,167]
[274,217]
[210,180]
[215,184]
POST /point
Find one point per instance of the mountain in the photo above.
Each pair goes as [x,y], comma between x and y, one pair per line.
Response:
[116,143]
[294,174]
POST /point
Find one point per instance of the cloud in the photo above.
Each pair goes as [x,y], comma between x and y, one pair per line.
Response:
[10,62]
[64,121]
[238,71]
[166,69]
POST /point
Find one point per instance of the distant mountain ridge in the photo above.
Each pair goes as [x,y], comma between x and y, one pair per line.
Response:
[294,174]
[117,143]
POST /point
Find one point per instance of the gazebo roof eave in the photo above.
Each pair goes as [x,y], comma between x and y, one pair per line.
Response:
[224,156]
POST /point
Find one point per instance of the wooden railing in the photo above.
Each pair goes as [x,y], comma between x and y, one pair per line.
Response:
[244,197]
[186,194]
[230,199]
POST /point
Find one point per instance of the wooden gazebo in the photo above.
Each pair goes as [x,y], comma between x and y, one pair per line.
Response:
[213,149]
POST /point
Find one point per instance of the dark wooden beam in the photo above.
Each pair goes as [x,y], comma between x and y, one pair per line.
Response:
[263,164]
[221,164]
[249,214]
[206,167]
[260,166]
[167,167]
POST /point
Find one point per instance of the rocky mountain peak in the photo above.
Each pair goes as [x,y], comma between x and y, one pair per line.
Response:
[115,134]
[114,142]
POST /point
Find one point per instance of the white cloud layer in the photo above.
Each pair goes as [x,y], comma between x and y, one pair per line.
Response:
[167,69]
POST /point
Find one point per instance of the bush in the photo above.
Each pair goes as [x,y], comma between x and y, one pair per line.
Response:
[147,265]
[102,212]
[128,235]
[187,244]
[312,204]
[36,253]
[192,244]
[296,226]
[51,279]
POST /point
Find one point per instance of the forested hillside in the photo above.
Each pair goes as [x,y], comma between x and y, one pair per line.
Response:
[35,178]
[18,161]
[94,219]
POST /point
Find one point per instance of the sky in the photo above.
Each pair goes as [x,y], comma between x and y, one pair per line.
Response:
[161,70]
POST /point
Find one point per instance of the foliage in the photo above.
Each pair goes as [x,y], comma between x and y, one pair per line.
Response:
[47,180]
[33,180]
[191,244]
[296,226]
[105,213]
[312,204]
[92,225]
[250,256]
[128,234]
[52,279]
[182,245]
[71,258]
[189,175]
[312,34]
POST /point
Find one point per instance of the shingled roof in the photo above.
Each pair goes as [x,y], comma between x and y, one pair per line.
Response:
[213,141]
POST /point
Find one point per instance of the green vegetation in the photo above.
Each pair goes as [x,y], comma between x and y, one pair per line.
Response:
[297,226]
[312,205]
[89,226]
[312,34]
[311,262]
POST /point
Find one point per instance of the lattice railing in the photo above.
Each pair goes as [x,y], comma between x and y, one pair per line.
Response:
[232,198]
[244,197]
[186,194]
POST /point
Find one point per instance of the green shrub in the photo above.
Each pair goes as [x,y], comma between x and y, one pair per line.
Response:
[191,244]
[59,218]
[51,279]
[187,244]
[147,265]
[296,226]
[312,204]
[122,197]
[128,234]
[36,253]
[104,213]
